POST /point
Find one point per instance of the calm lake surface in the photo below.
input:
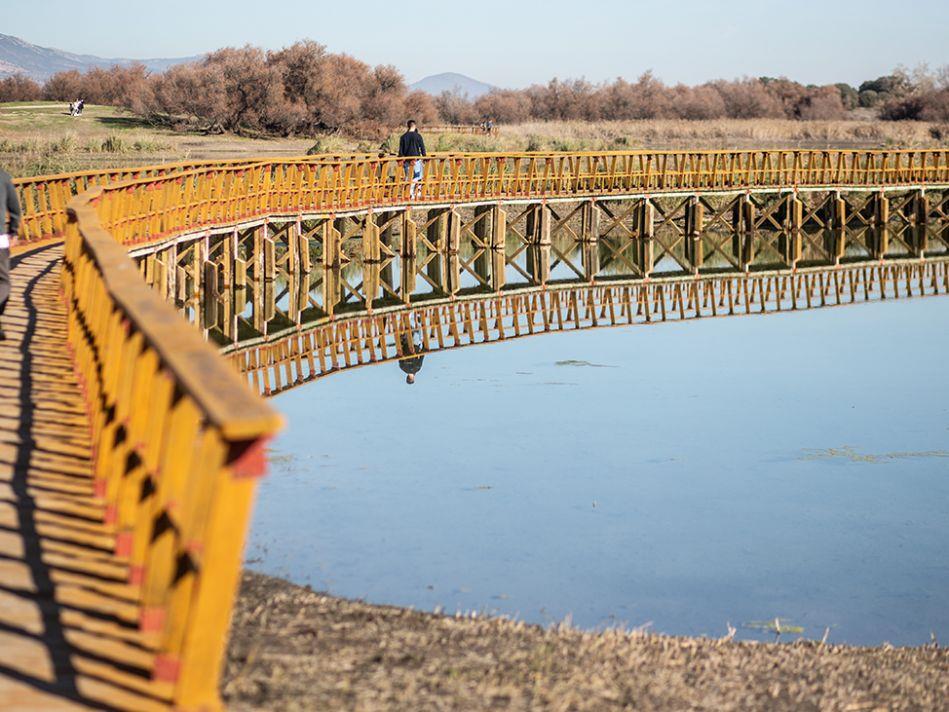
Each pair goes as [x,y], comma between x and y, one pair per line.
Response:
[683,475]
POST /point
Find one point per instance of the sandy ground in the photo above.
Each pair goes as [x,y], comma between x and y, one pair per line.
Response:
[294,649]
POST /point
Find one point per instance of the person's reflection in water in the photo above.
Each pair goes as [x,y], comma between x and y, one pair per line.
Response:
[411,361]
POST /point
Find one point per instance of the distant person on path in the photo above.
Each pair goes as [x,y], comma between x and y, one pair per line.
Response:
[9,227]
[411,361]
[80,105]
[411,145]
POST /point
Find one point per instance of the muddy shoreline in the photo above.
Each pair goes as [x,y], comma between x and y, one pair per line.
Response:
[295,649]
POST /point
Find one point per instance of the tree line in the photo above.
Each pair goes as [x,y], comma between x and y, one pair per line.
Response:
[304,90]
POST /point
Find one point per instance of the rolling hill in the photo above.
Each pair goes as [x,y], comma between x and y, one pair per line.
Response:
[18,56]
[451,81]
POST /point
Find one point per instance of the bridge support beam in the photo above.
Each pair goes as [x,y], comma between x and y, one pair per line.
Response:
[694,225]
[881,209]
[921,207]
[332,244]
[498,228]
[371,236]
[646,219]
[409,245]
[589,221]
[538,224]
[794,213]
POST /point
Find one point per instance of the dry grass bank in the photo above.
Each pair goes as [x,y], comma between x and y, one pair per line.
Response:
[715,134]
[293,649]
[41,138]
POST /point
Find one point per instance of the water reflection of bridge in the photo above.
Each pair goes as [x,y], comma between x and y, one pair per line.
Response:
[305,323]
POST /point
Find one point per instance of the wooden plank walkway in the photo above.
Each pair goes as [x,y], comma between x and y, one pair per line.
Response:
[69,635]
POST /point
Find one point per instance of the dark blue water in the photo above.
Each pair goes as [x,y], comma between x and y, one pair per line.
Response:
[687,476]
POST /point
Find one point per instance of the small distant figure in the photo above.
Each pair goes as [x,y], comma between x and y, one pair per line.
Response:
[411,145]
[10,214]
[72,108]
[412,363]
[489,126]
[80,105]
[484,126]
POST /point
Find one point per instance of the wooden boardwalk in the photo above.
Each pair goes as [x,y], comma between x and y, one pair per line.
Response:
[69,634]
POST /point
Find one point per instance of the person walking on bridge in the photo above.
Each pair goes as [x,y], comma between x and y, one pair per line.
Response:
[411,145]
[9,227]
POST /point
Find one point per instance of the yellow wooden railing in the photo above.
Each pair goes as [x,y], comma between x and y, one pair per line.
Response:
[140,211]
[178,441]
[178,437]
[43,199]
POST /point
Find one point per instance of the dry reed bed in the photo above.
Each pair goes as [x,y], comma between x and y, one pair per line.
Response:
[293,649]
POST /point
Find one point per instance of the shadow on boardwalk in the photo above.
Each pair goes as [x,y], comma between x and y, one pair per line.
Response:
[68,622]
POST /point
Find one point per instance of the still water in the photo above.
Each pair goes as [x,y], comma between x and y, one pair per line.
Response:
[684,476]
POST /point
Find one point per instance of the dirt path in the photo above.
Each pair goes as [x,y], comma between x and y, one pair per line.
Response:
[293,649]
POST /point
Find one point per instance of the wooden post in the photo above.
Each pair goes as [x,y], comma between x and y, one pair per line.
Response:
[481,228]
[437,232]
[331,289]
[331,244]
[409,246]
[498,228]
[270,257]
[647,218]
[303,247]
[881,209]
[173,270]
[538,224]
[211,296]
[694,224]
[371,236]
[454,231]
[589,221]
[794,213]
[921,207]
[839,212]
[257,259]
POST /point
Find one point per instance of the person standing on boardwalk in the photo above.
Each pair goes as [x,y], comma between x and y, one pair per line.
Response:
[411,145]
[9,227]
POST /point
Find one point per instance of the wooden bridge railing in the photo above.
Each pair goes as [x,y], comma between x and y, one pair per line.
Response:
[44,198]
[145,210]
[178,441]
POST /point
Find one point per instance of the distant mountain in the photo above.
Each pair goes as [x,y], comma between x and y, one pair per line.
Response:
[451,81]
[40,63]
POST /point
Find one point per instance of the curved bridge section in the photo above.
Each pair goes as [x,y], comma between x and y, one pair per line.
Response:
[165,470]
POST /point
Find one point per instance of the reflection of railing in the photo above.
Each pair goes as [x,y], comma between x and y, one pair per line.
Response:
[178,441]
[283,361]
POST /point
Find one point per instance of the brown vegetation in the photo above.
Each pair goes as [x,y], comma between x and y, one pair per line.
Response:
[304,90]
[293,649]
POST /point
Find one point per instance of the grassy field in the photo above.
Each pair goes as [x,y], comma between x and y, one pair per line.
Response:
[41,138]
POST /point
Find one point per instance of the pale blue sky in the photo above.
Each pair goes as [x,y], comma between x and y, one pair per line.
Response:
[510,43]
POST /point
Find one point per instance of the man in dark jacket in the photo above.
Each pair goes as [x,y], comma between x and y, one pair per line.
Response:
[9,227]
[411,145]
